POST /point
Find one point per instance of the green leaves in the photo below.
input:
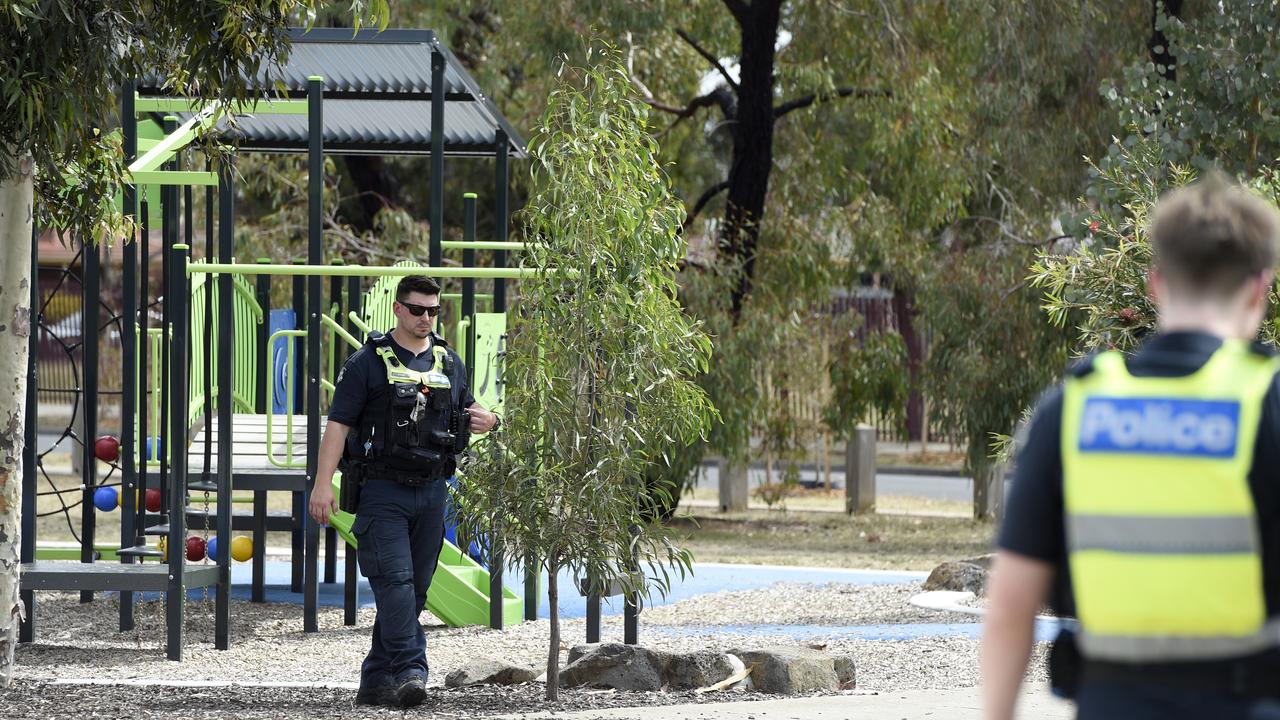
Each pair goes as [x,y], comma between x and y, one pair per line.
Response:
[65,62]
[600,360]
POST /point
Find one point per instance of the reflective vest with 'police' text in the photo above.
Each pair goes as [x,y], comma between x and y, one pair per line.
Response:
[1162,537]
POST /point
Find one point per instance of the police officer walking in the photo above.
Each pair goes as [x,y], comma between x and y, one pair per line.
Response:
[1147,498]
[401,412]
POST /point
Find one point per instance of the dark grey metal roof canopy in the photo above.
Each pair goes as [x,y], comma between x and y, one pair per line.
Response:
[377,97]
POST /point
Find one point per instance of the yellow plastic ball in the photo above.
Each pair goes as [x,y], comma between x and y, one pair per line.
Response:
[241,548]
[163,545]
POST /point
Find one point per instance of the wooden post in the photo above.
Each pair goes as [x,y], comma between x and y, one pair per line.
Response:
[860,471]
[733,487]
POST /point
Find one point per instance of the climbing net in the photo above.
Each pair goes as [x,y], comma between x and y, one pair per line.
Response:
[68,336]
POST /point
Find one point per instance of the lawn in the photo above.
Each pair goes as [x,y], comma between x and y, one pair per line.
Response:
[824,539]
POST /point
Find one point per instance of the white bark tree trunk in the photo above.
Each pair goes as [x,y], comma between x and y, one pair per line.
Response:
[15,329]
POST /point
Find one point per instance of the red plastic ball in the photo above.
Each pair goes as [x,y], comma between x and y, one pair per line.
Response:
[195,549]
[153,500]
[107,448]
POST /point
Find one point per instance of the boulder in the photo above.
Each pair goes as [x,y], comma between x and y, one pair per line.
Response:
[689,671]
[622,667]
[958,576]
[982,561]
[486,671]
[578,651]
[790,670]
[845,673]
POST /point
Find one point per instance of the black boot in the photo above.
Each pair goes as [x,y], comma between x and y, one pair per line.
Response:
[410,692]
[384,695]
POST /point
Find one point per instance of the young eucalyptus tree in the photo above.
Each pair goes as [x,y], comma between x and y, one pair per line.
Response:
[62,65]
[600,366]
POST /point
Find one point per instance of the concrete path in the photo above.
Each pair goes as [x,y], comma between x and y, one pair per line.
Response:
[962,704]
[934,487]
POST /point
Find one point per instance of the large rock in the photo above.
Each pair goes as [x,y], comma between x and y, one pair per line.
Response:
[982,561]
[486,671]
[790,670]
[612,665]
[845,673]
[578,651]
[689,671]
[959,576]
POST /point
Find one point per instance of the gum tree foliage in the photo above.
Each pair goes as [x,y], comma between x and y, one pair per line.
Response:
[62,65]
[821,146]
[1099,287]
[600,365]
[1199,101]
[1203,102]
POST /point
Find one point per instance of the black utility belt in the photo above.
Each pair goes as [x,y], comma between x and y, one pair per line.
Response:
[1247,677]
[401,477]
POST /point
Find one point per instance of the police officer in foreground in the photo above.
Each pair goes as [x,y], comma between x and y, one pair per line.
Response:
[1147,499]
[401,411]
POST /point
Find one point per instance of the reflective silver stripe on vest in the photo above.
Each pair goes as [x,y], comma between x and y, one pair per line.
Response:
[1127,648]
[1189,535]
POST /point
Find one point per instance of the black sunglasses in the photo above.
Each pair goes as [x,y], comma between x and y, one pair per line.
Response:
[416,310]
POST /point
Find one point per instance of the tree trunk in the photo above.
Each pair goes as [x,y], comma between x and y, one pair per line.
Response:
[553,655]
[15,329]
[1158,45]
[904,308]
[752,158]
[376,188]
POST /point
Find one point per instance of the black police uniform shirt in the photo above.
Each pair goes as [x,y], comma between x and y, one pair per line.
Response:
[364,379]
[1033,524]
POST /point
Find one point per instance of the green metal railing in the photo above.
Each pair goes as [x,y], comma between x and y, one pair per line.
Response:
[289,369]
[358,271]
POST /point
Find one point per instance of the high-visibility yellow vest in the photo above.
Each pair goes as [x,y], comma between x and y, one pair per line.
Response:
[1161,531]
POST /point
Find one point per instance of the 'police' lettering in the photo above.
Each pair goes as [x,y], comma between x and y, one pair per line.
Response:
[1160,426]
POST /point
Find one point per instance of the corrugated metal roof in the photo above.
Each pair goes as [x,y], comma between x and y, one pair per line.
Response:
[390,63]
[377,97]
[374,127]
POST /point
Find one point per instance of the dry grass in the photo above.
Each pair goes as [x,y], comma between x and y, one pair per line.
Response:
[883,541]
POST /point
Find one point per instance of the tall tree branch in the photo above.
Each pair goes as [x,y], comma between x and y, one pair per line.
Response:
[715,61]
[807,100]
[702,202]
[718,96]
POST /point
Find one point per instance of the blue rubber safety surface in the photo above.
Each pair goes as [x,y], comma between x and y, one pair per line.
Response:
[1046,631]
[707,578]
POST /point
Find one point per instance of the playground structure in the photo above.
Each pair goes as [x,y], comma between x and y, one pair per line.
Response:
[199,408]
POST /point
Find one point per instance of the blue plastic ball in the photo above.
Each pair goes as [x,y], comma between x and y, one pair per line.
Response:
[154,447]
[106,499]
[211,550]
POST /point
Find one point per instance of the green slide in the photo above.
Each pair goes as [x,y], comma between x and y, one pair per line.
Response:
[459,592]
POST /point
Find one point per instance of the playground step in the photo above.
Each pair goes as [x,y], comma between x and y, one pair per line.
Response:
[156,525]
[140,551]
[111,576]
[199,486]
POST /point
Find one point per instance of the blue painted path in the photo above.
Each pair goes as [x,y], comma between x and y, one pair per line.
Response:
[707,578]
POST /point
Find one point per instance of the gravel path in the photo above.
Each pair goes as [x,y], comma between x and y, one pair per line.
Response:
[39,701]
[81,641]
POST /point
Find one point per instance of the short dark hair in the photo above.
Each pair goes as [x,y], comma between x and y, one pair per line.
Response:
[416,283]
[1211,236]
